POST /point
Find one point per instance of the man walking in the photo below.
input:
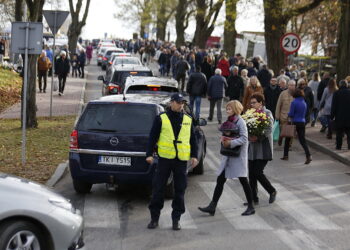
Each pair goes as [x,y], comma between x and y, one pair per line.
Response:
[271,93]
[182,67]
[197,88]
[173,132]
[216,87]
[44,64]
[235,85]
[62,68]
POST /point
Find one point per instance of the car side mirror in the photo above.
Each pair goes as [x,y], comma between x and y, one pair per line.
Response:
[202,122]
[101,78]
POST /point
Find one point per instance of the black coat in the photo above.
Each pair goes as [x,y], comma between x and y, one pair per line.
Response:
[182,67]
[271,98]
[235,87]
[264,77]
[62,67]
[197,84]
[309,99]
[340,108]
[323,84]
[207,70]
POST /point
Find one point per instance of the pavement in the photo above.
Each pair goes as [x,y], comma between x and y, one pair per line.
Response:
[73,100]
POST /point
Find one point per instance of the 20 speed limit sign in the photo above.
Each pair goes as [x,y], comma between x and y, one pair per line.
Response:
[290,43]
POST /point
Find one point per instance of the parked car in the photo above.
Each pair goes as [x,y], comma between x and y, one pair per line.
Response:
[108,144]
[101,51]
[115,78]
[124,57]
[150,85]
[107,55]
[40,218]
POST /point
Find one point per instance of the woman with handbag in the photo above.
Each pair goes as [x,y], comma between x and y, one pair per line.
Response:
[234,163]
[260,152]
[297,115]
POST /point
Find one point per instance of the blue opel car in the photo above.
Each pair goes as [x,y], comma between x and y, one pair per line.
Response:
[109,141]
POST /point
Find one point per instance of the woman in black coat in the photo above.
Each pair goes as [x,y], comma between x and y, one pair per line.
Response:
[207,68]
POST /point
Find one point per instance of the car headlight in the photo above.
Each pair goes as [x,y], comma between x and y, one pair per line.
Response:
[62,203]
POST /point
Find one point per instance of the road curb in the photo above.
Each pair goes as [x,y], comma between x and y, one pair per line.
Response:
[327,151]
[62,168]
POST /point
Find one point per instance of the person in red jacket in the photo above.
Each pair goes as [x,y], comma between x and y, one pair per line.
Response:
[224,65]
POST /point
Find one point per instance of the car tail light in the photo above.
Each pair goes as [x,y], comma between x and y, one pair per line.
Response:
[74,140]
[105,59]
[110,62]
[114,89]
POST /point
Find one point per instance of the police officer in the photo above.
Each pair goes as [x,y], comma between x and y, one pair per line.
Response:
[173,132]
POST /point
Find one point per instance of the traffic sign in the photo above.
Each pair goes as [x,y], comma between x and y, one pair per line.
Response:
[290,43]
[18,37]
[55,19]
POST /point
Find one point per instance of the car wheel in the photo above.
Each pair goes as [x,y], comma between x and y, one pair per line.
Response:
[22,235]
[82,187]
[98,64]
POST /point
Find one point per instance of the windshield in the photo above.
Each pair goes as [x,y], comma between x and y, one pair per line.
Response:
[126,60]
[151,89]
[118,117]
[119,77]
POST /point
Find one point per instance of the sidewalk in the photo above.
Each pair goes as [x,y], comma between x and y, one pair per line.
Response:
[69,104]
[319,141]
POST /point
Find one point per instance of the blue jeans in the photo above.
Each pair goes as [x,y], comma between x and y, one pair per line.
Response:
[162,69]
[196,100]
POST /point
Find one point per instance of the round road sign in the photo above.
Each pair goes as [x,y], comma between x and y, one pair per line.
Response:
[290,43]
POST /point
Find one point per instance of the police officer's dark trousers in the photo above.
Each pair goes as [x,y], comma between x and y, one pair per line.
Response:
[164,168]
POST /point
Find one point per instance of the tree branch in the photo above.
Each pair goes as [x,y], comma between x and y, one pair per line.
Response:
[301,10]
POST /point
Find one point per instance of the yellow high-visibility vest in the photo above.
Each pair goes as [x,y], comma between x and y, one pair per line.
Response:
[167,141]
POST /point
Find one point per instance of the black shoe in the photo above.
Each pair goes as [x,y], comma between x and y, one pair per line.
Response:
[313,124]
[44,91]
[308,159]
[209,209]
[210,119]
[176,226]
[40,90]
[153,224]
[250,210]
[338,148]
[323,129]
[272,197]
[219,121]
[284,158]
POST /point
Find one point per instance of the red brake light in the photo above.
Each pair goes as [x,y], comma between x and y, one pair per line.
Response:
[74,140]
[105,59]
[154,89]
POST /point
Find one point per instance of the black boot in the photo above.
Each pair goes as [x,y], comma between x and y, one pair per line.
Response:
[209,209]
[250,210]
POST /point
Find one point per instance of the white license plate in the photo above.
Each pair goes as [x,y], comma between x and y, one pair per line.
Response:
[114,160]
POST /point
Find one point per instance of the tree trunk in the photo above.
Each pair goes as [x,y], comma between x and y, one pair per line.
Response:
[230,27]
[142,29]
[343,58]
[73,36]
[161,21]
[19,10]
[275,28]
[179,20]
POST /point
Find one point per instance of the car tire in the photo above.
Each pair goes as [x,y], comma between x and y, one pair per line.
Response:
[98,64]
[10,230]
[82,187]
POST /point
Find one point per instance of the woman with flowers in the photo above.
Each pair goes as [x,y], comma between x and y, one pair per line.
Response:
[234,135]
[259,123]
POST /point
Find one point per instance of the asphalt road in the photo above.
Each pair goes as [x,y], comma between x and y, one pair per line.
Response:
[312,209]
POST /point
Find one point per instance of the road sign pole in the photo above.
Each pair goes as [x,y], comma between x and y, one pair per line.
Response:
[24,115]
[53,62]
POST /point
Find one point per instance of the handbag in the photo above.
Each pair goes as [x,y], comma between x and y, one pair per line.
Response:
[276,130]
[233,152]
[55,86]
[288,130]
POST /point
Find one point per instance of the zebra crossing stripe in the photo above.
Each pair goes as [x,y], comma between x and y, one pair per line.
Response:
[165,221]
[300,211]
[231,206]
[211,154]
[101,210]
[299,240]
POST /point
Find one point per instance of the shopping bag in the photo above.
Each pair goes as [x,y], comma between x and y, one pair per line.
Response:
[288,130]
[55,85]
[276,131]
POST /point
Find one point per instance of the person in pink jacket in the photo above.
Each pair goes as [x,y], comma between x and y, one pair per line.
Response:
[89,50]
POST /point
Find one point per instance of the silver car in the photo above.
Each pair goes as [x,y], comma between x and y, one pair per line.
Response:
[33,217]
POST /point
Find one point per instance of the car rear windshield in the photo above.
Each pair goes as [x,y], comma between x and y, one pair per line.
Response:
[109,52]
[126,60]
[149,89]
[118,117]
[119,77]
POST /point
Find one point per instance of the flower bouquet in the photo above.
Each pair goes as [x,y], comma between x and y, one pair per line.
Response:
[257,121]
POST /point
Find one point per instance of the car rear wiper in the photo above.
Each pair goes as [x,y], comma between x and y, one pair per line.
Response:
[102,130]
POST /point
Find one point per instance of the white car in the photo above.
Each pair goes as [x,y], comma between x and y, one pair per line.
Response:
[33,217]
[150,85]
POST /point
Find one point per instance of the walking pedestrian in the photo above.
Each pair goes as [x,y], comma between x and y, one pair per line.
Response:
[182,67]
[283,106]
[173,132]
[44,65]
[252,87]
[224,65]
[49,55]
[260,152]
[89,50]
[271,94]
[297,115]
[62,69]
[207,68]
[264,76]
[323,84]
[75,65]
[326,106]
[82,61]
[197,88]
[235,85]
[313,84]
[341,114]
[216,87]
[232,167]
[308,96]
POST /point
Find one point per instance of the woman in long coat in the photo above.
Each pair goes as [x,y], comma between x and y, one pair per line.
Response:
[253,86]
[233,167]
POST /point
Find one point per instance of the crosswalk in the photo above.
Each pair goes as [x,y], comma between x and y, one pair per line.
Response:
[299,217]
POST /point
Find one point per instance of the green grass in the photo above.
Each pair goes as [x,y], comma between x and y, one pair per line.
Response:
[47,146]
[10,88]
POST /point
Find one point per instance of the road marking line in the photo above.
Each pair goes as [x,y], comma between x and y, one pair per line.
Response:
[299,240]
[300,211]
[231,206]
[165,221]
[101,211]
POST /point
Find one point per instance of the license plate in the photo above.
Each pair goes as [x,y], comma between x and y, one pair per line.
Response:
[114,160]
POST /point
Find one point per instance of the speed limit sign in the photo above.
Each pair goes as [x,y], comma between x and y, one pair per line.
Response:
[290,43]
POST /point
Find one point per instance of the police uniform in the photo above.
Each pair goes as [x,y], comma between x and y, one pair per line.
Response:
[173,132]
